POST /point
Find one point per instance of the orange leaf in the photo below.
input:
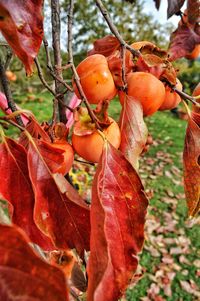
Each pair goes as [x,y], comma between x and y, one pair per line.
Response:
[117,226]
[191,160]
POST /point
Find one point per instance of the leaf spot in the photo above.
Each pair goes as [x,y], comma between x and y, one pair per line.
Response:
[128,195]
[45,215]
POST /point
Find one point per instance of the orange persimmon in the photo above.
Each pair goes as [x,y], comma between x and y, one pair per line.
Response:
[96,79]
[145,88]
[90,147]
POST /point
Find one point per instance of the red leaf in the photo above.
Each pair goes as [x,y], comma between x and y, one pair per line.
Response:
[15,187]
[24,276]
[21,23]
[62,216]
[105,46]
[183,41]
[191,160]
[133,131]
[117,226]
[36,131]
[174,7]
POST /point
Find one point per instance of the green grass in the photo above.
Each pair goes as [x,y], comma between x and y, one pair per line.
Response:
[168,133]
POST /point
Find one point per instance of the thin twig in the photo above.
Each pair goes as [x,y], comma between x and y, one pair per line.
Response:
[40,74]
[55,111]
[84,162]
[71,63]
[114,29]
[7,91]
[186,96]
[50,67]
[8,58]
[48,57]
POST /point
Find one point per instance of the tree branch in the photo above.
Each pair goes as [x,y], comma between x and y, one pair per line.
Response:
[7,91]
[71,63]
[40,74]
[55,20]
[50,67]
[186,97]
[114,29]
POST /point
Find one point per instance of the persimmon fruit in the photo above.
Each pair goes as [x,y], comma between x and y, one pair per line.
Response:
[68,156]
[145,88]
[90,147]
[172,99]
[96,79]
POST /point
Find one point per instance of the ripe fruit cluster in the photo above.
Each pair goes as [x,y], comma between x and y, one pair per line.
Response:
[100,82]
[100,79]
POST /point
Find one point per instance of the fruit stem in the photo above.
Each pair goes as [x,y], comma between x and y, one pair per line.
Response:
[71,63]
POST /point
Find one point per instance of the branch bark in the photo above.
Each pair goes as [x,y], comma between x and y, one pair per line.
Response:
[55,21]
[186,97]
[7,91]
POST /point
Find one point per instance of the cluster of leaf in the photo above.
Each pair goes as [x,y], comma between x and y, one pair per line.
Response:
[187,35]
[51,212]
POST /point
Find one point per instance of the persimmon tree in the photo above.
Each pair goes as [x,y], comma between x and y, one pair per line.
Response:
[59,247]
